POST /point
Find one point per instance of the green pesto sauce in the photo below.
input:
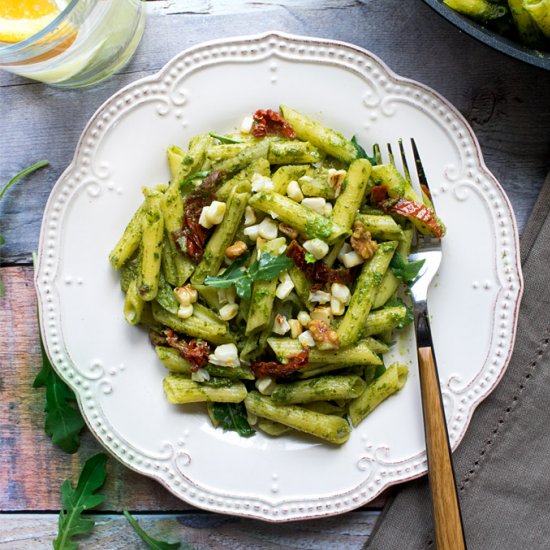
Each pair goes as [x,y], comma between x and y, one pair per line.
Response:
[318,227]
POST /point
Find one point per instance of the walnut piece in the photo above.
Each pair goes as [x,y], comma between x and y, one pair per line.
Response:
[336,179]
[361,241]
[288,230]
[323,334]
[236,249]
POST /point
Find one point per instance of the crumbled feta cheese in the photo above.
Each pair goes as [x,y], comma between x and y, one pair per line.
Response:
[285,287]
[295,328]
[280,325]
[327,210]
[212,215]
[226,355]
[185,295]
[261,183]
[249,216]
[268,229]
[351,259]
[304,318]
[337,307]
[247,124]
[252,231]
[317,247]
[265,385]
[306,339]
[321,314]
[346,247]
[341,292]
[315,203]
[294,192]
[228,311]
[184,312]
[319,296]
[200,375]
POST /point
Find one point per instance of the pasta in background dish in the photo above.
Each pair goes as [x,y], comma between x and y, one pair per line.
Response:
[268,270]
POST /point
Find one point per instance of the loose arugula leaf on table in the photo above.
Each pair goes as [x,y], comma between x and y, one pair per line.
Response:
[152,543]
[265,269]
[404,270]
[3,191]
[78,500]
[232,418]
[63,421]
[361,153]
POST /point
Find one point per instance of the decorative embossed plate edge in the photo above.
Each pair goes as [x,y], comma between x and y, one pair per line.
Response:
[169,464]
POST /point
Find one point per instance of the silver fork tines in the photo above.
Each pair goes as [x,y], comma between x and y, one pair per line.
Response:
[449,531]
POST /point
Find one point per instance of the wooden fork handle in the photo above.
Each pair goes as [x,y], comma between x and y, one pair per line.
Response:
[449,532]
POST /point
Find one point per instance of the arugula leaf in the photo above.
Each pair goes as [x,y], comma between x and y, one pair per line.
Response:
[63,421]
[404,270]
[189,179]
[78,500]
[225,139]
[266,269]
[232,417]
[379,371]
[152,543]
[3,191]
[361,153]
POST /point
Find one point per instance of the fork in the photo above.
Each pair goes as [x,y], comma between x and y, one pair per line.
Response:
[447,517]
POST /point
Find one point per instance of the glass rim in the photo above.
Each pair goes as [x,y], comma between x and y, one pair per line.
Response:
[31,40]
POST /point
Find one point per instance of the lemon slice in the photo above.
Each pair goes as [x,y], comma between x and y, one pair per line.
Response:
[21,19]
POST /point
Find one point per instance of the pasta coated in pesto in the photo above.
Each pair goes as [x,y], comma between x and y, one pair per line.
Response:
[266,273]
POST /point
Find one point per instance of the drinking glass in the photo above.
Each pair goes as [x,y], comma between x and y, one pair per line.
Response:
[87,42]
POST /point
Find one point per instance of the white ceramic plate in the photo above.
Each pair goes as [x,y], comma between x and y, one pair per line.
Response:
[112,367]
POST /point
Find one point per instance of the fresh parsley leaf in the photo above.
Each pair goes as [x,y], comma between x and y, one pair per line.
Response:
[404,270]
[361,153]
[63,421]
[232,417]
[310,258]
[3,191]
[75,501]
[152,543]
[266,269]
[225,139]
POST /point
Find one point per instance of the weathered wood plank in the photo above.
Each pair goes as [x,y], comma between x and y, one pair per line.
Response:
[201,531]
[505,100]
[31,468]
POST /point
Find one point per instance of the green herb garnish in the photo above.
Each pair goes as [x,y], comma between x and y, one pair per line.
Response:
[310,258]
[78,500]
[232,417]
[152,543]
[225,139]
[409,316]
[404,270]
[266,269]
[361,153]
[190,179]
[3,191]
[63,419]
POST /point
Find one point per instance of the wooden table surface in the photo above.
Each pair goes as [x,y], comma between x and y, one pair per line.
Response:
[506,102]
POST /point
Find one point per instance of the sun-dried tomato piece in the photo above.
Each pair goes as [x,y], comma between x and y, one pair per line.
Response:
[408,208]
[319,271]
[261,369]
[194,351]
[268,123]
[193,235]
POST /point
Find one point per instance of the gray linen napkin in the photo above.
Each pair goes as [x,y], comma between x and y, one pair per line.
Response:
[503,463]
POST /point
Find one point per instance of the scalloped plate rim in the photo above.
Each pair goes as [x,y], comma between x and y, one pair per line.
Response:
[156,77]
